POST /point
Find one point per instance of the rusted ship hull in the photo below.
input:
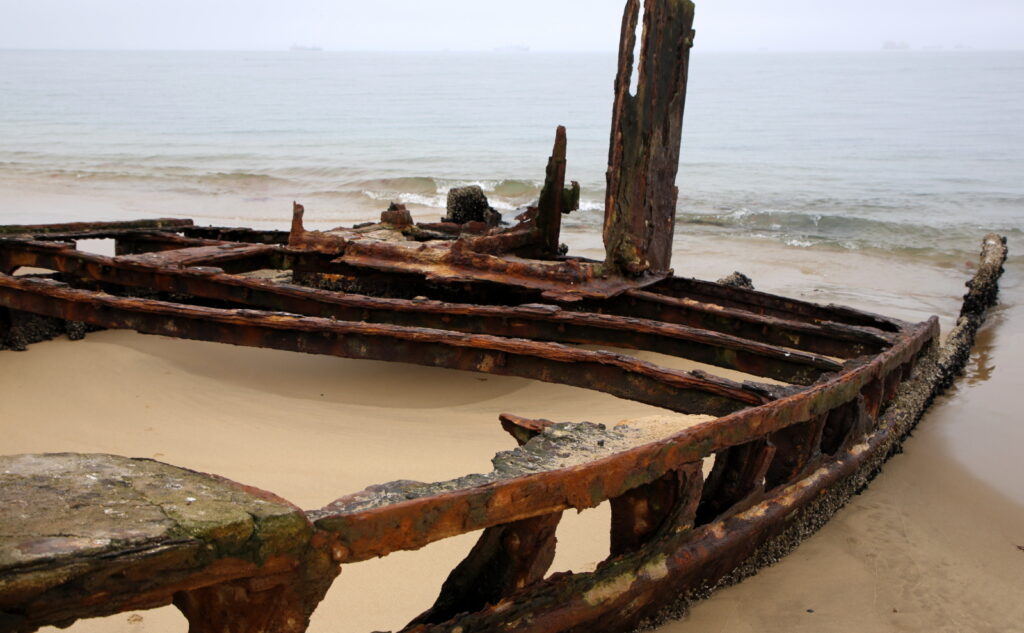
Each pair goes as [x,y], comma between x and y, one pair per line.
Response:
[785,456]
[831,392]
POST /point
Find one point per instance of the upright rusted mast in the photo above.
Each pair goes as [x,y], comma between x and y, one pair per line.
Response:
[643,156]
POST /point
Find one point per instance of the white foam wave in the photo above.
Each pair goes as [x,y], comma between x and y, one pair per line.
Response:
[437,202]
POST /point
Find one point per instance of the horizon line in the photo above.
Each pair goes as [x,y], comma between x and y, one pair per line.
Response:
[509,50]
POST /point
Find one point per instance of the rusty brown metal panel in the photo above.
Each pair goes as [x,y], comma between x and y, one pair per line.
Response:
[666,504]
[640,204]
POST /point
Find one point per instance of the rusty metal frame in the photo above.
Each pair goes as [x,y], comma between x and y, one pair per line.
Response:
[776,446]
[831,390]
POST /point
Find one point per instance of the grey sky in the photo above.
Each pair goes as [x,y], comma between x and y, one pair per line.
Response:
[585,25]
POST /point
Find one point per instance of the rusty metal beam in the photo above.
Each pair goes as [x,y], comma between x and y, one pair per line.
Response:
[828,338]
[643,158]
[236,234]
[367,530]
[542,322]
[549,362]
[94,227]
[218,255]
[659,551]
[771,305]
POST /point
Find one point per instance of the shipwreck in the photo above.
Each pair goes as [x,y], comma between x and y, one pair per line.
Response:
[832,393]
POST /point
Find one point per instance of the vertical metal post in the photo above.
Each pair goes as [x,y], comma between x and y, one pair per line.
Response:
[643,156]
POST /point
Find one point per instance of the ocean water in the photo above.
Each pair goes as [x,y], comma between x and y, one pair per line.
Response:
[890,150]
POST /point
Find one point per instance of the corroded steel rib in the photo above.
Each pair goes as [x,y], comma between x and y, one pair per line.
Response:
[771,305]
[235,234]
[214,255]
[684,560]
[94,227]
[549,362]
[828,338]
[542,322]
[364,522]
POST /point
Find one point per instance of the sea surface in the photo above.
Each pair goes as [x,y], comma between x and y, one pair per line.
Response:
[898,151]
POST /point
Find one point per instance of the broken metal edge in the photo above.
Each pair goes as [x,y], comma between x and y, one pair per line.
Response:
[935,372]
[660,581]
[361,521]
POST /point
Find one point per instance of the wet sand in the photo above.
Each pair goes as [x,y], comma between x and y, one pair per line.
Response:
[931,545]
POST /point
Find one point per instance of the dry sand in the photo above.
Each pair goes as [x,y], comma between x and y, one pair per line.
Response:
[931,546]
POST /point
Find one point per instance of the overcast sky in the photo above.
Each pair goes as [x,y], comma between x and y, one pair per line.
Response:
[579,25]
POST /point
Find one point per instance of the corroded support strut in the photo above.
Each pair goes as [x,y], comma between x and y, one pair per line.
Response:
[643,157]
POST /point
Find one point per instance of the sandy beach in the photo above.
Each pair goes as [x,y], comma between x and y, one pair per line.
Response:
[932,545]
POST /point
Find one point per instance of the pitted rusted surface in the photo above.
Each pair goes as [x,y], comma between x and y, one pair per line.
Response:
[674,531]
[88,535]
[825,395]
[643,155]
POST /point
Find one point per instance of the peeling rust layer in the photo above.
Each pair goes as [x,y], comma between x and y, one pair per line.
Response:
[673,532]
[85,536]
[550,362]
[544,322]
[771,305]
[367,527]
[643,156]
[89,228]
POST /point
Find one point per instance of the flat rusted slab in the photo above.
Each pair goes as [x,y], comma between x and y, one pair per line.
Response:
[473,259]
[86,535]
[87,228]
[565,280]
